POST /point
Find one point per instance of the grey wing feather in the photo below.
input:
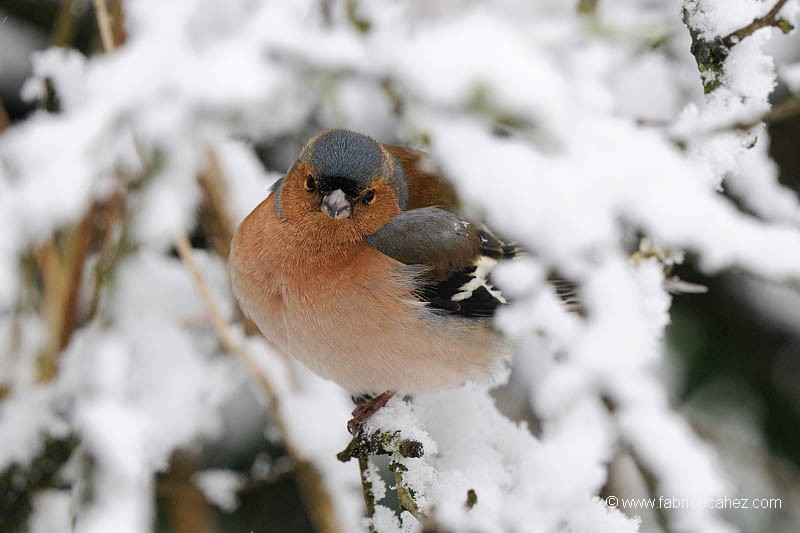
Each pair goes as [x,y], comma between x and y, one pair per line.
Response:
[429,236]
[458,257]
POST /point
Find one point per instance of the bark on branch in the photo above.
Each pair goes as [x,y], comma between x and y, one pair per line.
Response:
[771,19]
[363,446]
[710,55]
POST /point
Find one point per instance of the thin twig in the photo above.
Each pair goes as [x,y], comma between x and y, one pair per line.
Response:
[711,54]
[117,15]
[786,109]
[315,493]
[78,244]
[186,507]
[61,279]
[104,24]
[770,19]
[405,496]
[221,326]
[366,486]
[220,227]
[51,268]
[23,305]
[5,121]
[111,224]
[64,25]
[318,500]
[385,443]
[185,250]
[649,477]
[587,7]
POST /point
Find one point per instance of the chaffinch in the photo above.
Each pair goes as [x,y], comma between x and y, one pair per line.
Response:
[359,266]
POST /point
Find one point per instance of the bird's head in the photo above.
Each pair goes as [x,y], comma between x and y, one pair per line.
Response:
[343,187]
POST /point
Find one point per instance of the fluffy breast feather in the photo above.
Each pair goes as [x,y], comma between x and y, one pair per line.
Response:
[351,315]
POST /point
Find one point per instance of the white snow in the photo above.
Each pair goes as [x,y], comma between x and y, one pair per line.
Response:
[791,75]
[53,512]
[220,487]
[570,135]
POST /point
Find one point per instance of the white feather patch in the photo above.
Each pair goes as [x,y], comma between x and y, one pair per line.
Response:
[480,278]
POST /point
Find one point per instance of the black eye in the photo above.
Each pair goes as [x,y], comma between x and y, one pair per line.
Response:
[309,184]
[369,196]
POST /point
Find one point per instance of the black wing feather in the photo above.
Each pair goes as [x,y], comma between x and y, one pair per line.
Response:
[458,257]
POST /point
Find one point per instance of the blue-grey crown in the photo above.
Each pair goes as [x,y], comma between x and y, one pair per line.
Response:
[345,154]
[347,160]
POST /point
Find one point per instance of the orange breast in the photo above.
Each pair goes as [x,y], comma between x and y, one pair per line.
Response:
[350,313]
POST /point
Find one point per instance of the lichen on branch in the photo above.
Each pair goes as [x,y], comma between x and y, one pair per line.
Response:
[711,53]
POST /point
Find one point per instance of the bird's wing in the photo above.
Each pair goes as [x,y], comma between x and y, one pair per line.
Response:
[426,188]
[457,258]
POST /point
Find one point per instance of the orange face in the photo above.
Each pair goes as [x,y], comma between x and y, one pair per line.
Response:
[332,210]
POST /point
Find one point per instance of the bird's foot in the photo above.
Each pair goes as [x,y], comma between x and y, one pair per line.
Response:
[367,408]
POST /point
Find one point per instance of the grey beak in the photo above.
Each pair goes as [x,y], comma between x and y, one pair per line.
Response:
[336,205]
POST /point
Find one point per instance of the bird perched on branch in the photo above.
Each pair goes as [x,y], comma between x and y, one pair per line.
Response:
[359,266]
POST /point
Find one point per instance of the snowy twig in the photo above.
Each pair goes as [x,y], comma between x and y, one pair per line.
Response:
[111,244]
[366,482]
[649,477]
[308,477]
[221,328]
[184,249]
[784,110]
[366,490]
[404,494]
[383,443]
[24,303]
[770,19]
[219,224]
[61,285]
[711,54]
[651,482]
[60,261]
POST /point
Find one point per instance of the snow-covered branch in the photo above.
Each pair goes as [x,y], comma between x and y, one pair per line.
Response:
[575,129]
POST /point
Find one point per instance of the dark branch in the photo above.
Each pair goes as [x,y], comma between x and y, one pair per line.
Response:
[587,7]
[19,483]
[366,489]
[770,19]
[381,443]
[784,110]
[711,54]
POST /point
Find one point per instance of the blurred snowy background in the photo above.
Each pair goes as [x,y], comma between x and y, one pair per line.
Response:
[135,398]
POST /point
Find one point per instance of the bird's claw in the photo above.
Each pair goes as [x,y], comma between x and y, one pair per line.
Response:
[365,410]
